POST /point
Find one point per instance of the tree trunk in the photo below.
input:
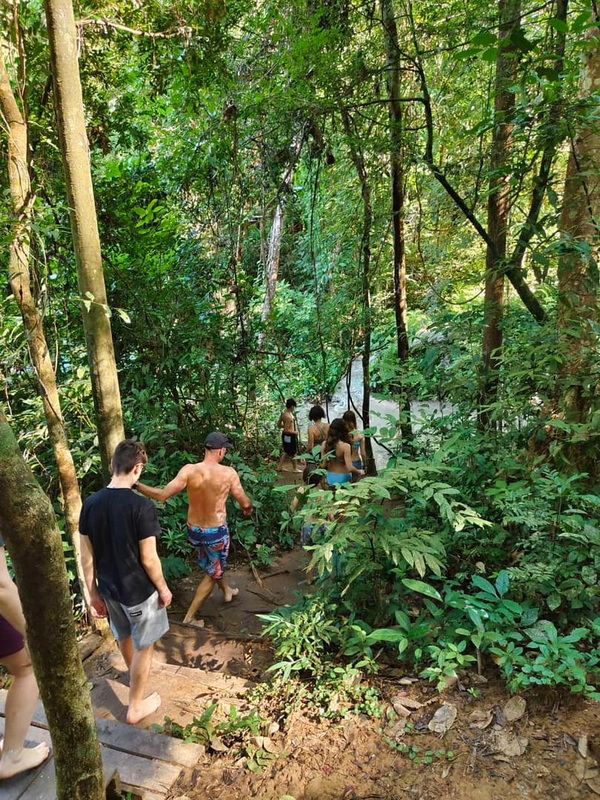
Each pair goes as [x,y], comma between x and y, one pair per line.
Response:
[509,12]
[19,275]
[578,263]
[276,235]
[553,135]
[513,273]
[35,546]
[272,265]
[398,197]
[84,226]
[365,262]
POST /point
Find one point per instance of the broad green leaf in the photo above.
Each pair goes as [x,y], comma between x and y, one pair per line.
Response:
[559,25]
[421,588]
[485,38]
[502,582]
[484,584]
[385,635]
[553,601]
[490,55]
[542,632]
[589,575]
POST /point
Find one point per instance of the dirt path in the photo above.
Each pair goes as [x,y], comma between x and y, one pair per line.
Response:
[538,756]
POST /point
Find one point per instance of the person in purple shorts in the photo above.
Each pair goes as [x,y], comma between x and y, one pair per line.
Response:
[22,696]
[208,485]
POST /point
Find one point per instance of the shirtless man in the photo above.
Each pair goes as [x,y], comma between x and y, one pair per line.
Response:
[208,485]
[289,436]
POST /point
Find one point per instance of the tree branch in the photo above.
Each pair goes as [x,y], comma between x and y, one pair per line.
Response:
[183,31]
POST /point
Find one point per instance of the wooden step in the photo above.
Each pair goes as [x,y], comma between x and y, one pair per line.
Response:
[146,763]
[40,783]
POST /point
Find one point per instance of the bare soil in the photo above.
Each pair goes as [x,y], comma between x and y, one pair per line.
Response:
[548,752]
[353,759]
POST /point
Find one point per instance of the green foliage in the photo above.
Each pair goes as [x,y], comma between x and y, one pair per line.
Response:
[238,733]
[453,554]
[174,568]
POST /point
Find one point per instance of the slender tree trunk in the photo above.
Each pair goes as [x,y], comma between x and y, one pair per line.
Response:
[398,197]
[276,233]
[365,262]
[20,281]
[553,135]
[513,273]
[273,258]
[509,12]
[578,264]
[34,542]
[84,225]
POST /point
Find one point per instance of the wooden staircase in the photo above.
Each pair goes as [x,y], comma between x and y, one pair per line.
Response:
[141,762]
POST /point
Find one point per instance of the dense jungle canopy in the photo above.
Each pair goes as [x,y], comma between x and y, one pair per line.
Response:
[273,191]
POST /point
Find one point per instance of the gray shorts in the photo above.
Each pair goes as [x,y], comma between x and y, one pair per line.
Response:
[145,622]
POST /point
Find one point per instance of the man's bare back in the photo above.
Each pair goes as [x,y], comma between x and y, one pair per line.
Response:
[208,487]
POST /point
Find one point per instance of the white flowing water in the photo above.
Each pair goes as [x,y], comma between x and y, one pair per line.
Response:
[350,395]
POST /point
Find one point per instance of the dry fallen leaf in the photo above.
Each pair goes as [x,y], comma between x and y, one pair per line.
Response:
[443,719]
[402,705]
[269,746]
[508,744]
[217,745]
[481,719]
[582,746]
[514,709]
[397,731]
[594,785]
[586,769]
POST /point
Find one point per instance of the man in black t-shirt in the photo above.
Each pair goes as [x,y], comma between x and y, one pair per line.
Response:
[123,572]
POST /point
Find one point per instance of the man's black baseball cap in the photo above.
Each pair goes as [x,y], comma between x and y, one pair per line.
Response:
[216,440]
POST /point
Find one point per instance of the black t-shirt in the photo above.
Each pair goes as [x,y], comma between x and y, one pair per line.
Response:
[115,520]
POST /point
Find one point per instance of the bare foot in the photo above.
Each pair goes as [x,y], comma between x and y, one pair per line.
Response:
[148,706]
[230,593]
[199,623]
[15,761]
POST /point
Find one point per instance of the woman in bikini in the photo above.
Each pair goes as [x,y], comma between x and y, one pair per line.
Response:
[317,433]
[337,454]
[359,453]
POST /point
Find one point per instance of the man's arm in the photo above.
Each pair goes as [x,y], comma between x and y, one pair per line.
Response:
[97,604]
[280,422]
[178,484]
[237,492]
[151,563]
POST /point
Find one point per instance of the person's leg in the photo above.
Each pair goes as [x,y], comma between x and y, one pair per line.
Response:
[21,701]
[127,650]
[203,592]
[295,463]
[140,706]
[229,592]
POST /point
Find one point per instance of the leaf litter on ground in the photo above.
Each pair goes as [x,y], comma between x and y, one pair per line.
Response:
[443,719]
